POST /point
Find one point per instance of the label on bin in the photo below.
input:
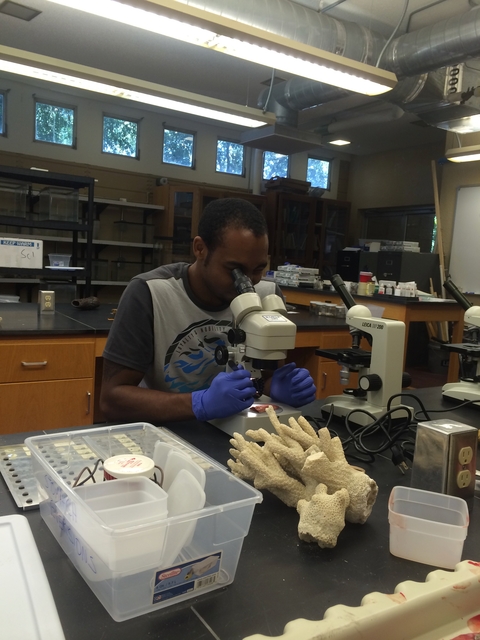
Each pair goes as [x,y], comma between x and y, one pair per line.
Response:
[185,577]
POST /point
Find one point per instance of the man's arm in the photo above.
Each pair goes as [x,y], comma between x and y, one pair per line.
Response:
[122,399]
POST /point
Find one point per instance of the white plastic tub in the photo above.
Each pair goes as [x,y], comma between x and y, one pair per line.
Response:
[427,527]
[131,562]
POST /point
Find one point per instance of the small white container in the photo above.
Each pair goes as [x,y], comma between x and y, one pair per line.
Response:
[128,502]
[59,259]
[427,527]
[128,466]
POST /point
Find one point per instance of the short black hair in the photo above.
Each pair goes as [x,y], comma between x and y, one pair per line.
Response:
[229,213]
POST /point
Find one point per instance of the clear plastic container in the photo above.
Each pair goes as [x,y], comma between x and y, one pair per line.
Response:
[427,527]
[13,199]
[124,556]
[58,204]
[59,259]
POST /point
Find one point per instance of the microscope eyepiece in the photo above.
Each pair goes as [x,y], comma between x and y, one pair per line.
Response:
[242,283]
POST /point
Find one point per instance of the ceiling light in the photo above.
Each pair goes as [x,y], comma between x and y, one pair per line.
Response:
[69,74]
[464,154]
[339,143]
[219,33]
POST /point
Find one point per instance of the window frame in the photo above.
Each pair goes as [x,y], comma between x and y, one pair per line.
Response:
[62,105]
[330,163]
[137,141]
[278,154]
[3,122]
[194,147]
[228,173]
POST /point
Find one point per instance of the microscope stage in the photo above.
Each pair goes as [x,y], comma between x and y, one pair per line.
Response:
[256,418]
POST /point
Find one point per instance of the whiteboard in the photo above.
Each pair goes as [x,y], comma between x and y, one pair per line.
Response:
[464,267]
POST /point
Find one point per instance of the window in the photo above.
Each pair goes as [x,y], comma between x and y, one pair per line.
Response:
[120,136]
[3,100]
[230,157]
[274,164]
[318,173]
[54,123]
[178,147]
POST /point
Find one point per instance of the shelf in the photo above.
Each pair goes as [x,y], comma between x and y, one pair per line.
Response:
[124,203]
[68,240]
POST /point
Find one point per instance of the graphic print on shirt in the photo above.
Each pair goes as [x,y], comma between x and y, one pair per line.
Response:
[190,359]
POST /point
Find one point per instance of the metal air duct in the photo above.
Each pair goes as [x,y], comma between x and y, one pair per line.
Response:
[411,56]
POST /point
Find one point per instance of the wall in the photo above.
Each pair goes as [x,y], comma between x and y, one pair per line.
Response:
[90,109]
[395,178]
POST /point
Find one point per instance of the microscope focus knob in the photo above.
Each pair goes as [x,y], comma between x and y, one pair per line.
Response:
[370,382]
[236,336]
[221,354]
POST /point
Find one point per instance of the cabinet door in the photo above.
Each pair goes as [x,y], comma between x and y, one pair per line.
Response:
[294,234]
[58,404]
[334,229]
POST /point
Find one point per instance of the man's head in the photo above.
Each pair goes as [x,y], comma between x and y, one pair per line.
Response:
[229,213]
[232,233]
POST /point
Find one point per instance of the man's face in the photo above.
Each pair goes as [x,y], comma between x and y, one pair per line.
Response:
[240,249]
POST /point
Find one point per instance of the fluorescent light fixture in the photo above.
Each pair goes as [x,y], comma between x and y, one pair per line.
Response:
[339,143]
[464,154]
[218,33]
[467,124]
[69,74]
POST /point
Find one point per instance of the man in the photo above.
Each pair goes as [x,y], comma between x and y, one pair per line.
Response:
[159,363]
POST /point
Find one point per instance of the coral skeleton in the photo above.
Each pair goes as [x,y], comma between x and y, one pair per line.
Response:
[306,470]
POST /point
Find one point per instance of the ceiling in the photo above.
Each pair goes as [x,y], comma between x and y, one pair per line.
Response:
[79,37]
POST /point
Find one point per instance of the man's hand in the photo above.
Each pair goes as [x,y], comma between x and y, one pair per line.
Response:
[292,385]
[228,394]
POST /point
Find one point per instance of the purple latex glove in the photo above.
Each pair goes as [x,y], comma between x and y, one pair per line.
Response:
[292,385]
[228,394]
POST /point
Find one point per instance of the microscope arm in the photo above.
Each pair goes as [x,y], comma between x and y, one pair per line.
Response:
[472,313]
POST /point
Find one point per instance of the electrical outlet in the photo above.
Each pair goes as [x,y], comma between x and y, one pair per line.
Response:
[46,301]
[445,458]
[465,455]
[464,478]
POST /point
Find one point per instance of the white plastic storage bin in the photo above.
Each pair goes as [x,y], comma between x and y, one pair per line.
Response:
[130,560]
[427,527]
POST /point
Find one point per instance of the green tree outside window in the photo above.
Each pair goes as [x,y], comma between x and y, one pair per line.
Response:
[318,172]
[54,123]
[274,164]
[230,156]
[120,136]
[178,147]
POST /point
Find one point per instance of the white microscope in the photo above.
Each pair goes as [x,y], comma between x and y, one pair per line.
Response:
[468,388]
[260,337]
[380,371]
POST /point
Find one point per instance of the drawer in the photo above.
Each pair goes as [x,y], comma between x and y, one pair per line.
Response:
[50,359]
[33,406]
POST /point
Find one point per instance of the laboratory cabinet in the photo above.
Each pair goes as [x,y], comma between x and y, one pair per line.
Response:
[46,383]
[325,372]
[306,230]
[184,204]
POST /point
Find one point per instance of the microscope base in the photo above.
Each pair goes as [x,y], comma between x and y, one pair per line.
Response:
[251,419]
[462,390]
[342,405]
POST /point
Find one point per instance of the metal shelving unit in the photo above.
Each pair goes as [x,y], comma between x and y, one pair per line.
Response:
[32,177]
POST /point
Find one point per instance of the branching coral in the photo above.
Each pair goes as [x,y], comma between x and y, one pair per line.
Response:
[306,470]
[322,518]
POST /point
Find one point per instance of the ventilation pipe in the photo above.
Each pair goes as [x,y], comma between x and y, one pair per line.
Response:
[411,56]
